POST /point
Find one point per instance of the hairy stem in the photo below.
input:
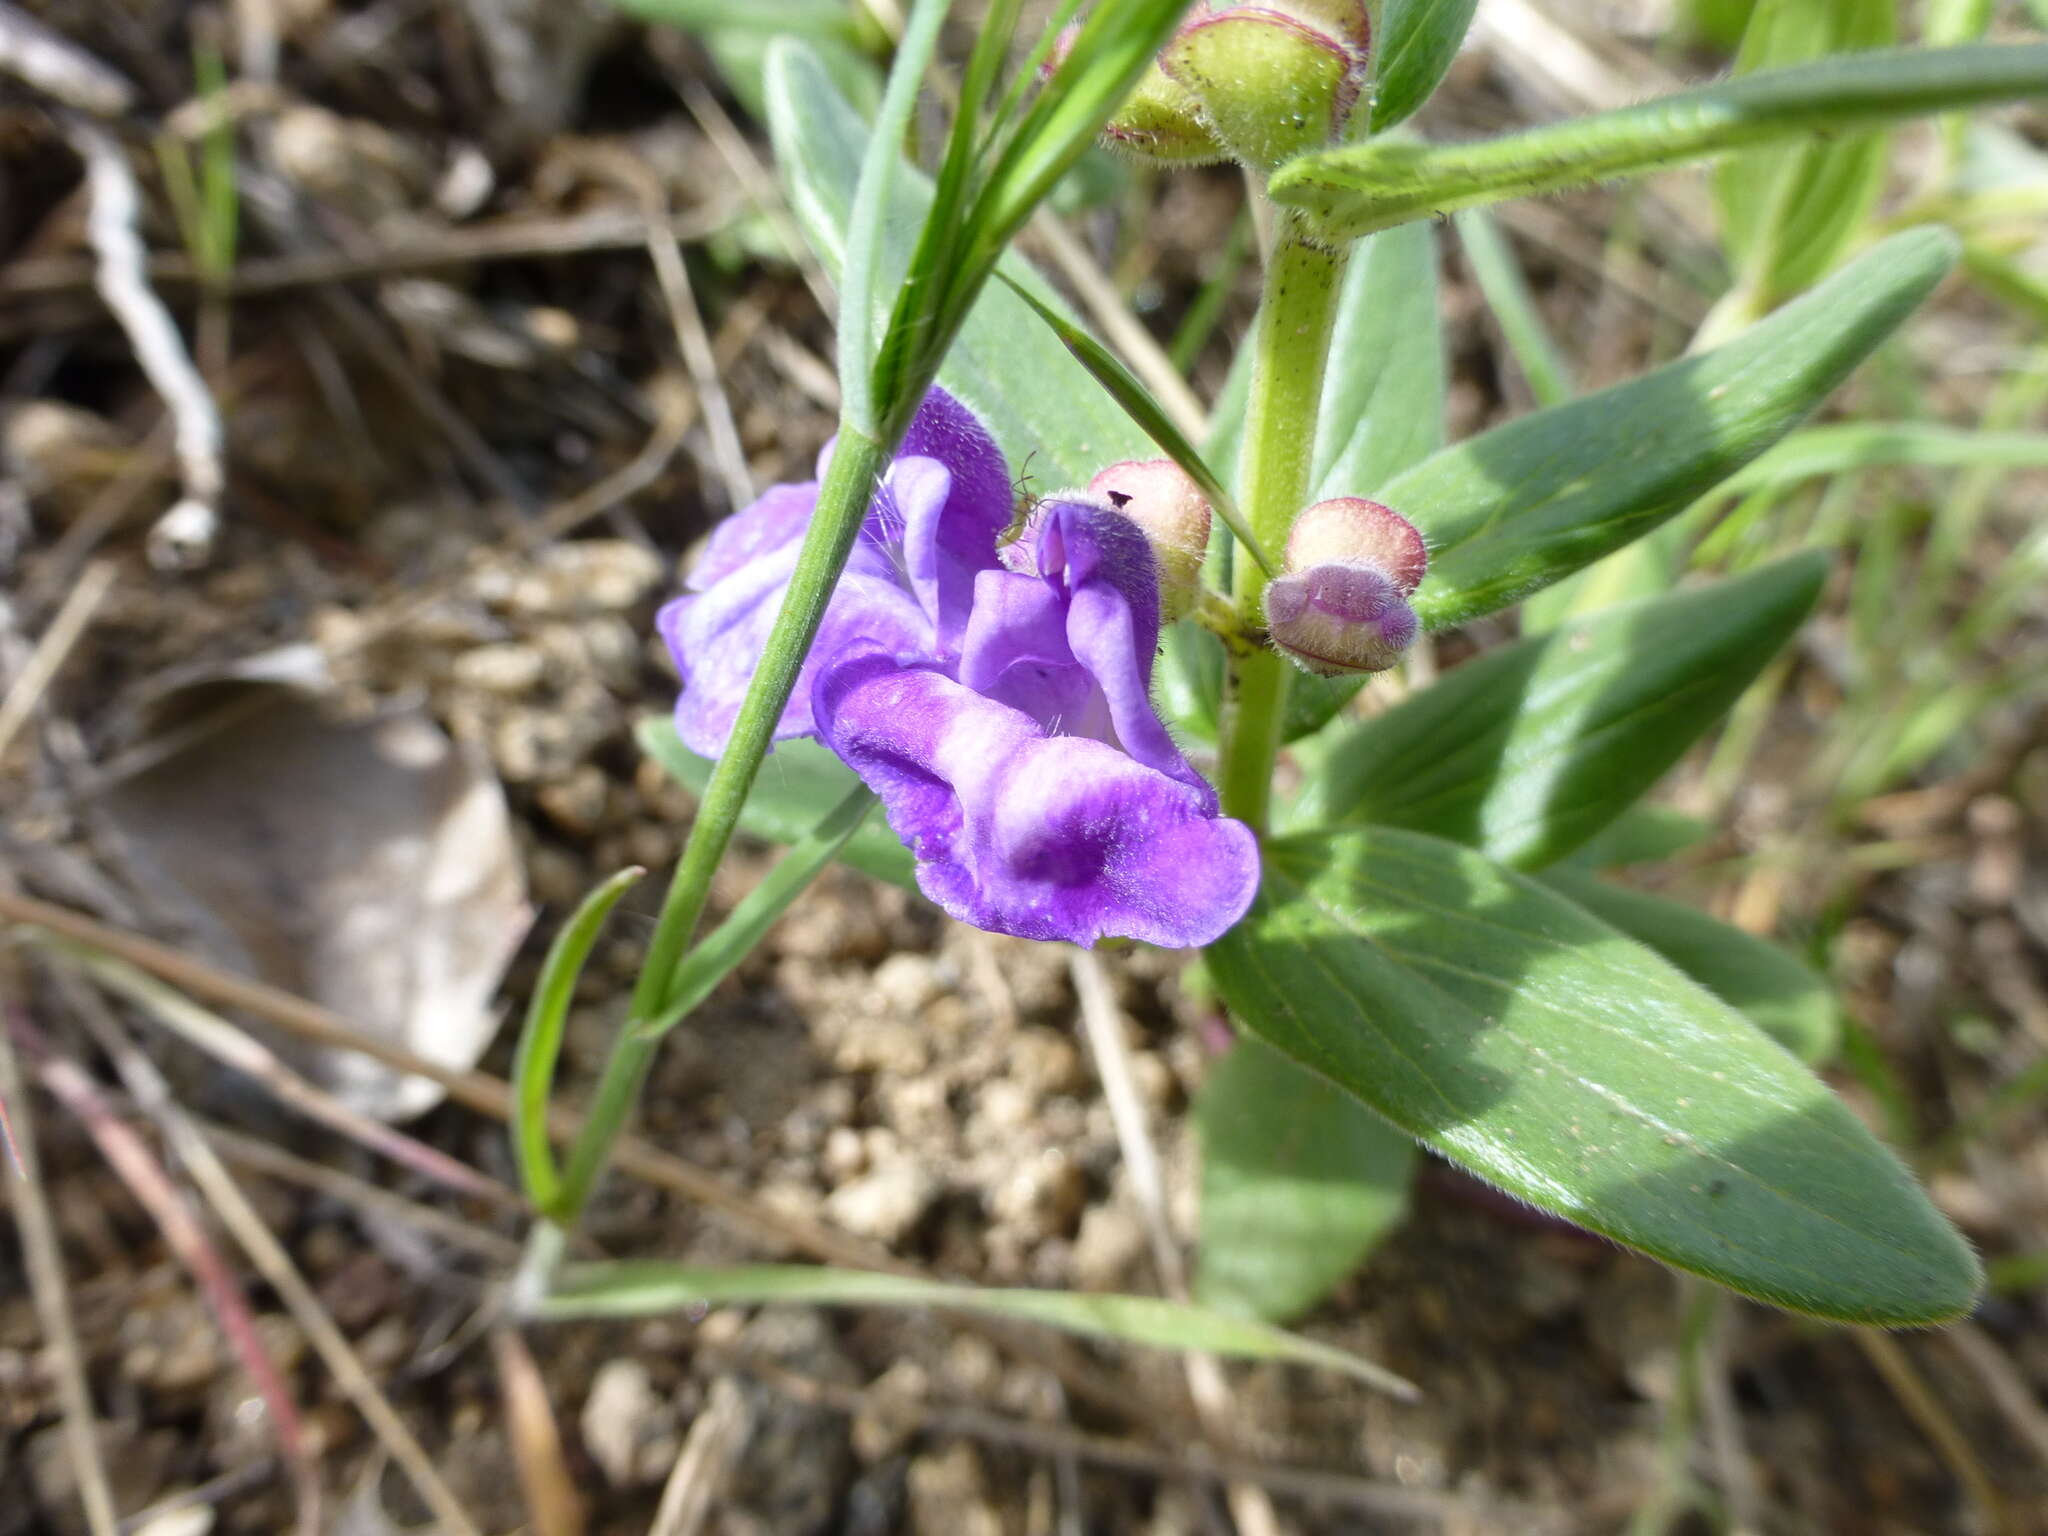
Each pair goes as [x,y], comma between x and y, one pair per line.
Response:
[1292,346]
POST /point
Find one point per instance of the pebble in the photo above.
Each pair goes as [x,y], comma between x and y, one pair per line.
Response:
[627,1427]
[883,1204]
[509,668]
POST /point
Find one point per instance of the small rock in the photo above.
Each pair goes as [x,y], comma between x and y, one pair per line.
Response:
[887,1420]
[509,668]
[588,576]
[576,803]
[1040,1198]
[904,983]
[627,1427]
[949,1494]
[192,1520]
[1107,1247]
[883,1204]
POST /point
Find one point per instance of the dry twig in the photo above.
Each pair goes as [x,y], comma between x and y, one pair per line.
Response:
[58,67]
[1102,1023]
[58,639]
[715,1439]
[51,1292]
[184,535]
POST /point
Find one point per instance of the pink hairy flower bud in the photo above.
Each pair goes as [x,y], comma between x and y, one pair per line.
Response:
[1170,509]
[1341,605]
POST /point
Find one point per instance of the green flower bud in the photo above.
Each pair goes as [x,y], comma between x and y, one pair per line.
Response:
[1273,81]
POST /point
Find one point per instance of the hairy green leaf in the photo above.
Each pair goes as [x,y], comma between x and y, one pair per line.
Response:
[1531,1043]
[1299,1182]
[1514,509]
[649,1287]
[1787,1000]
[1358,188]
[1529,750]
[1413,44]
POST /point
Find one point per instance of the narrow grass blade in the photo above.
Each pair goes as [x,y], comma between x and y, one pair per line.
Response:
[865,226]
[540,1039]
[645,1288]
[1507,294]
[1359,188]
[1137,401]
[1846,446]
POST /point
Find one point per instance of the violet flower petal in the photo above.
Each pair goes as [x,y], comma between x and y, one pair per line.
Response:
[1026,833]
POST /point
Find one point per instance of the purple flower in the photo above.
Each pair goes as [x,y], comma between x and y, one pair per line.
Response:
[999,705]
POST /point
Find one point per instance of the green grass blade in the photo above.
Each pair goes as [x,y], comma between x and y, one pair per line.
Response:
[648,1288]
[1124,387]
[1844,447]
[719,952]
[1507,294]
[797,778]
[540,1038]
[1359,188]
[861,276]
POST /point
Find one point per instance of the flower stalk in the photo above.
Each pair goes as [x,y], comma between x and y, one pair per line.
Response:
[1297,317]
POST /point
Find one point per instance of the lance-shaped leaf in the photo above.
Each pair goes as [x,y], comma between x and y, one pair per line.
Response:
[1413,43]
[1529,750]
[1514,509]
[798,781]
[1356,189]
[1053,423]
[1787,1000]
[1531,1043]
[1299,1182]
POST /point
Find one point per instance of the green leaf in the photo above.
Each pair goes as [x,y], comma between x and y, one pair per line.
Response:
[1051,421]
[1514,509]
[1414,42]
[1843,447]
[649,1287]
[1789,213]
[1531,1043]
[540,1039]
[718,954]
[1787,1000]
[1529,750]
[1299,1182]
[1126,390]
[1645,833]
[795,780]
[1358,188]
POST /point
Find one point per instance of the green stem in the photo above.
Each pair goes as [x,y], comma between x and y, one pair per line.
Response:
[842,505]
[1292,346]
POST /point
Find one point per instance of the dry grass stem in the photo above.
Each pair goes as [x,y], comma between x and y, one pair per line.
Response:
[183,1233]
[240,1052]
[59,638]
[275,1265]
[491,1096]
[260,1156]
[716,1437]
[1123,329]
[1939,1426]
[536,1439]
[50,1290]
[1102,1024]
